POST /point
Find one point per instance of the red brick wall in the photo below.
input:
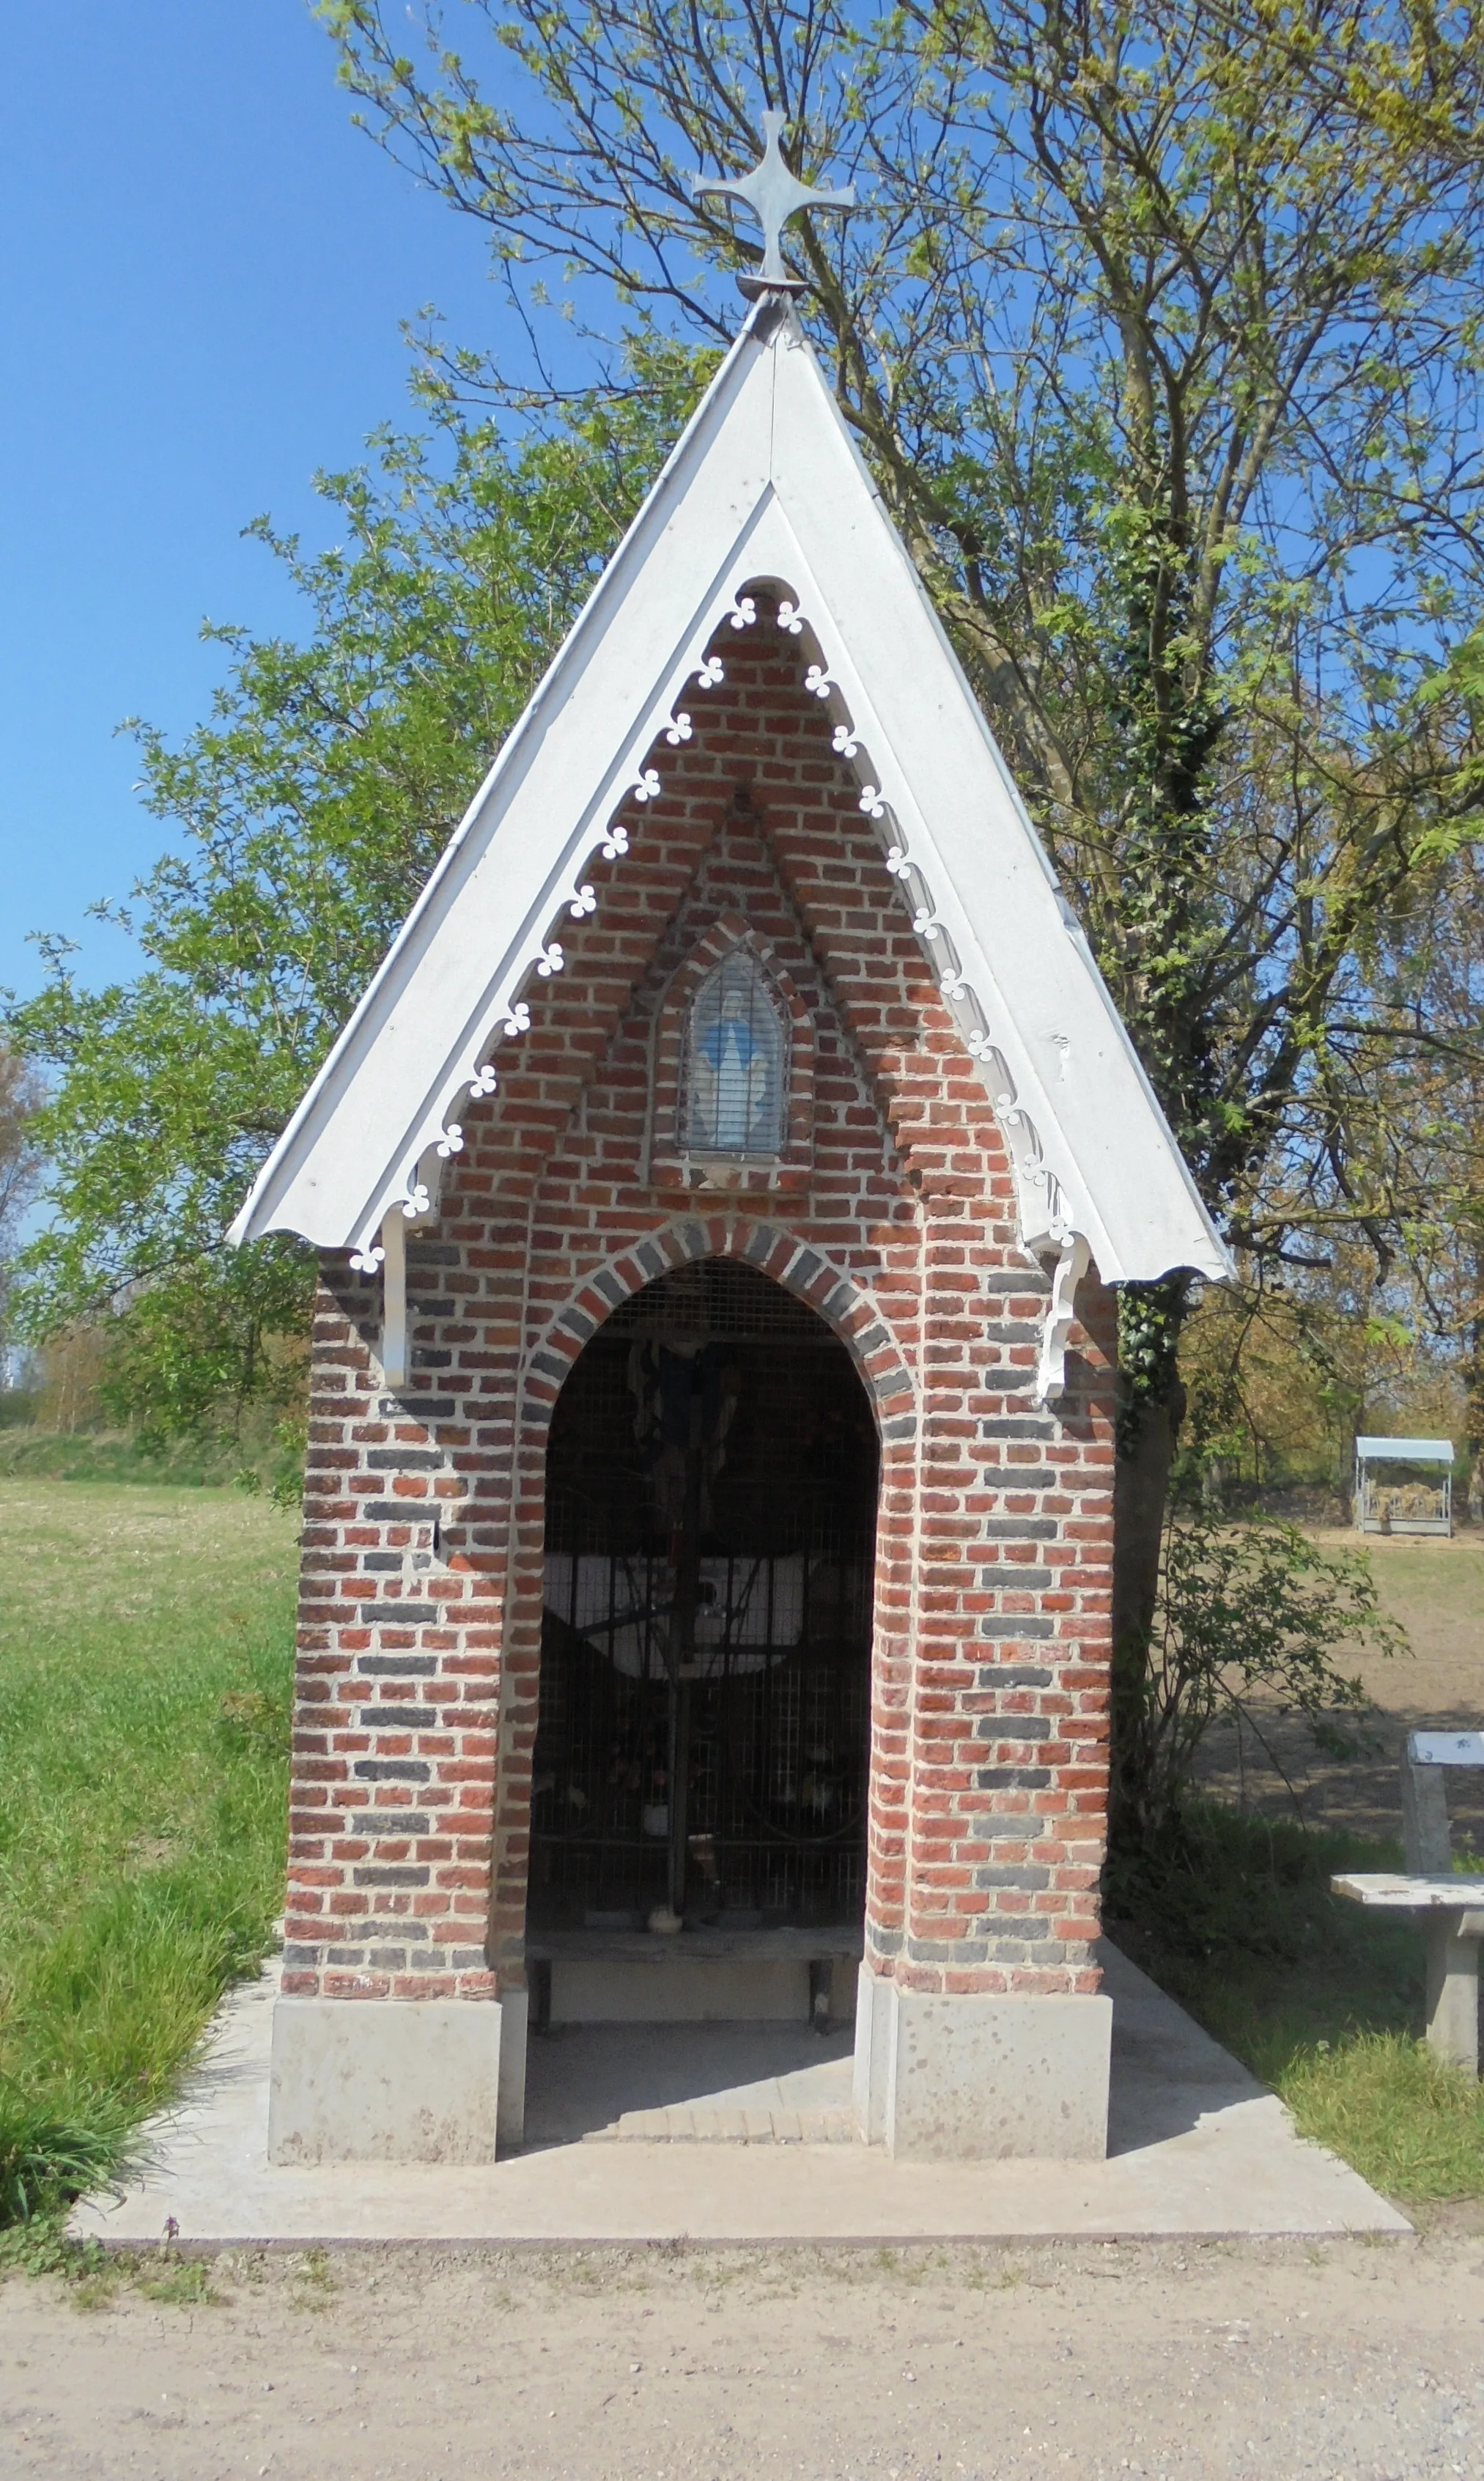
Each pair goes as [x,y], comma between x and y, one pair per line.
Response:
[420,1622]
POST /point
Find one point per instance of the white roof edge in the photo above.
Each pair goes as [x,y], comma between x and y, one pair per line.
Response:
[685,556]
[1223,1267]
[1207,1254]
[1414,1452]
[247,1224]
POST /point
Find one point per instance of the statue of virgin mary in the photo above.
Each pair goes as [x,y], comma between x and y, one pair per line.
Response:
[736,1067]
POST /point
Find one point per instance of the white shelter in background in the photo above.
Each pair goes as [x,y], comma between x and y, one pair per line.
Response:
[1384,1503]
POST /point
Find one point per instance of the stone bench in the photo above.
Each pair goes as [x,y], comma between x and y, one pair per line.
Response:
[697,1976]
[1450,1909]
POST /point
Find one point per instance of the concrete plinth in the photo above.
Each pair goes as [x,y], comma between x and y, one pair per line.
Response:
[385,2080]
[981,2077]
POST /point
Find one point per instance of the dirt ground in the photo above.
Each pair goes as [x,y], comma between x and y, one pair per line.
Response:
[1261,2360]
[1436,1588]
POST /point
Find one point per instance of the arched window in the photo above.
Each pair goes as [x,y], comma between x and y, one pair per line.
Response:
[735,1062]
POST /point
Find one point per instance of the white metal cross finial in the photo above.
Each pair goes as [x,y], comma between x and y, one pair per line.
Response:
[774,195]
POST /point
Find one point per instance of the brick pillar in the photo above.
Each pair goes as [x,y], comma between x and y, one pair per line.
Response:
[980,2031]
[394,1767]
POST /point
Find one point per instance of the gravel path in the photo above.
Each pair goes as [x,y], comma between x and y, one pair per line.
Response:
[1266,2361]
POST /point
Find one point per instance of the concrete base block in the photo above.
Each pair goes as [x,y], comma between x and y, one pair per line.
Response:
[981,2077]
[696,1990]
[873,2018]
[385,2080]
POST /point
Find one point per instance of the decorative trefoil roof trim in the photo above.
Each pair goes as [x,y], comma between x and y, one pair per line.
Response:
[765,489]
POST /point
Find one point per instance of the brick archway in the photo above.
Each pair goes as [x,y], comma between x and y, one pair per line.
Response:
[801,1270]
[879,1365]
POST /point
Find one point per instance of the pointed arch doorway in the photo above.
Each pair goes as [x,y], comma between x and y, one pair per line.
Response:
[700,1774]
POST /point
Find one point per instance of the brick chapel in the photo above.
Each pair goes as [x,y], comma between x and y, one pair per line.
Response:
[708,1527]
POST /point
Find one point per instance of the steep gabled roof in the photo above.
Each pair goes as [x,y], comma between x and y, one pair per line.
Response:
[765,487]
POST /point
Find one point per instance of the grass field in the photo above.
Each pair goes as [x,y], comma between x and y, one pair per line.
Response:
[145,1661]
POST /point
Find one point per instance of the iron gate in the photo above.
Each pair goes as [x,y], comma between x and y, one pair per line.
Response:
[704,1717]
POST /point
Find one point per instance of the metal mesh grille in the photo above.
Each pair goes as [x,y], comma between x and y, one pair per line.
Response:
[719,1300]
[705,1667]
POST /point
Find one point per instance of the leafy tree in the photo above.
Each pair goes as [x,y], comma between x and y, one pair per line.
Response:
[308,811]
[20,1096]
[1286,1370]
[1162,335]
[1164,344]
[1246,1620]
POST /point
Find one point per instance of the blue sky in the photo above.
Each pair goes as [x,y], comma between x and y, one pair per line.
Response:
[204,269]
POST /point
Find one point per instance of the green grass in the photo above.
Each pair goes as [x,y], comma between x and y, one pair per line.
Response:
[31,1454]
[1320,1999]
[146,1664]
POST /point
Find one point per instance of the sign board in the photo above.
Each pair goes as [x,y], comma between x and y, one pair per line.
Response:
[1446,1748]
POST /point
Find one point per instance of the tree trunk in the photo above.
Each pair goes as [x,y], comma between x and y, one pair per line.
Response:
[1473,1393]
[1141,1481]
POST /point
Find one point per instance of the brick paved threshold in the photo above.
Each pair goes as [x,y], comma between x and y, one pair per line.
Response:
[1196,2148]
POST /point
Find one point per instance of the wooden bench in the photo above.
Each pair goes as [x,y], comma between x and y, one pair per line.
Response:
[1450,1909]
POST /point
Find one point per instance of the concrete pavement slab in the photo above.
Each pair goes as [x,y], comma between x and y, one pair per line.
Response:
[1196,2146]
